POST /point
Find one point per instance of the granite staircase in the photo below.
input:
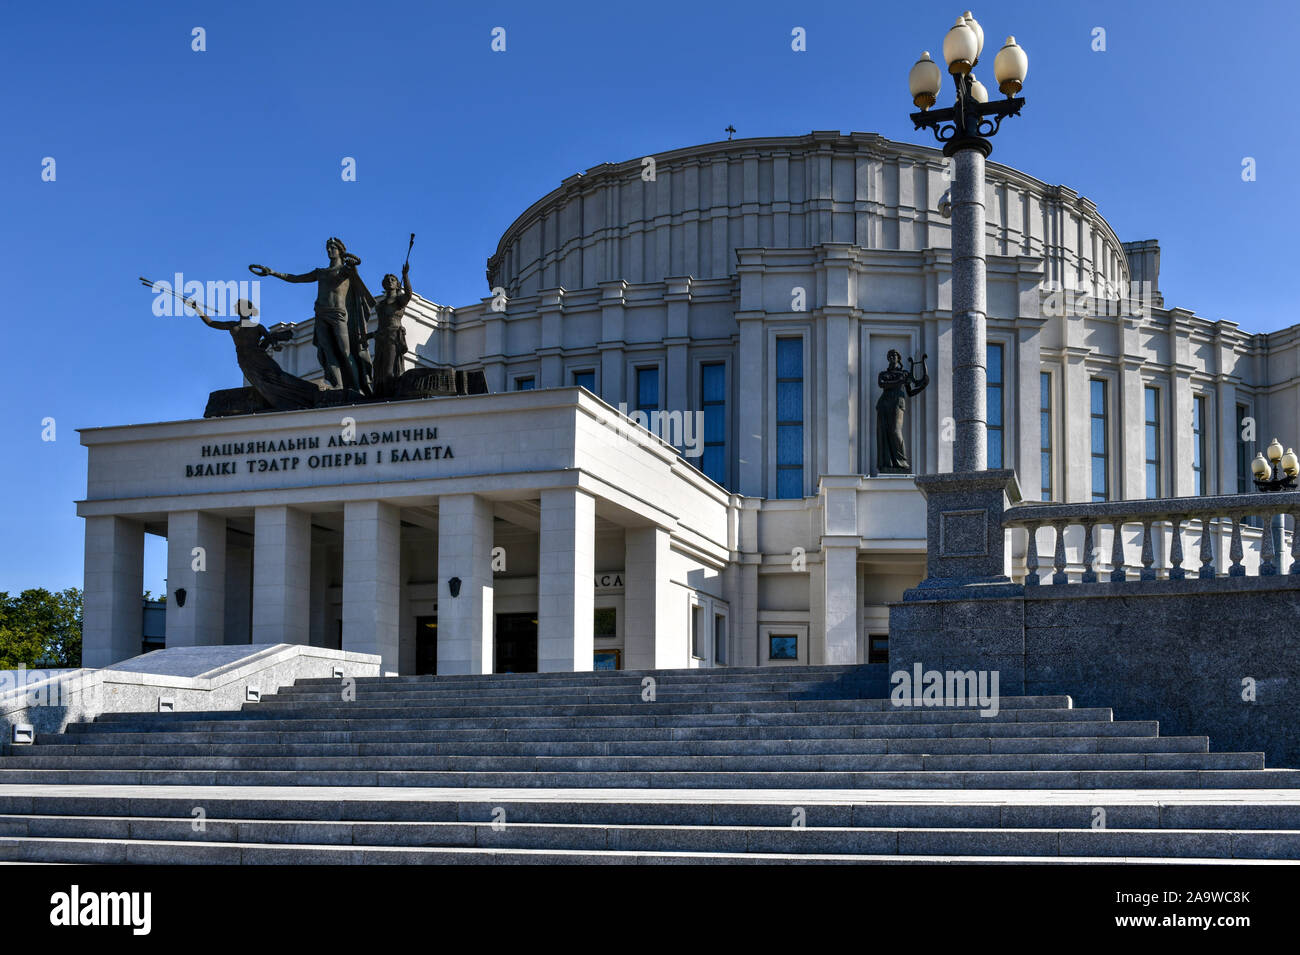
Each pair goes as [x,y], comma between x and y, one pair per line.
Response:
[809,764]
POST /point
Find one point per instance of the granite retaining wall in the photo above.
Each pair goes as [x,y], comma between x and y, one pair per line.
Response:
[1189,653]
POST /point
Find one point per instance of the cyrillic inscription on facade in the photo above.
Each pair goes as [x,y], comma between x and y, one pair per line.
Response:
[286,454]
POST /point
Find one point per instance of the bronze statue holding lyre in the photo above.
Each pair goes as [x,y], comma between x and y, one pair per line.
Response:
[891,408]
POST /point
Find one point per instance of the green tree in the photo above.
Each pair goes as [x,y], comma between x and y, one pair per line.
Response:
[40,629]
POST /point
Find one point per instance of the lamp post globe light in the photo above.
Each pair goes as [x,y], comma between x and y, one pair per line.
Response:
[964,129]
[1277,472]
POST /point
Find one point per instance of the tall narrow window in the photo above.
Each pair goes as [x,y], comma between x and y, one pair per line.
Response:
[1152,437]
[647,389]
[585,379]
[1100,441]
[789,417]
[719,639]
[713,405]
[993,394]
[1243,451]
[1045,432]
[1198,445]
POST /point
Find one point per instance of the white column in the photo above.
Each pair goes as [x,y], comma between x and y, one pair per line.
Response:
[750,405]
[281,575]
[371,561]
[465,622]
[196,563]
[566,580]
[747,635]
[1075,429]
[613,387]
[1176,432]
[1177,424]
[816,578]
[840,580]
[840,384]
[1028,394]
[1229,438]
[650,640]
[1130,452]
[112,606]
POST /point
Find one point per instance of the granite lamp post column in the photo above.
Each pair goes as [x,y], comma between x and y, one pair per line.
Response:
[965,549]
[969,338]
[965,129]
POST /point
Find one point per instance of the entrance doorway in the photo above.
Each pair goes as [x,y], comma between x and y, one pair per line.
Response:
[516,643]
[426,645]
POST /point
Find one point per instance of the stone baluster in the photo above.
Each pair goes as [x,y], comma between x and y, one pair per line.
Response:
[1207,549]
[1089,575]
[1176,571]
[1295,543]
[1031,557]
[1148,554]
[1117,572]
[1267,552]
[1235,552]
[1058,561]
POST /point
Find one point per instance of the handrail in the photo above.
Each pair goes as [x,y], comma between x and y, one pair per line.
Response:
[1221,505]
[1032,516]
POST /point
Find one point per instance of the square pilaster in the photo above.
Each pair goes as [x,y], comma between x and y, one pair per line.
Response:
[196,564]
[371,586]
[465,621]
[566,580]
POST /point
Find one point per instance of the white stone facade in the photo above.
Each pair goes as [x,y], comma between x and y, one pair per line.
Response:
[744,270]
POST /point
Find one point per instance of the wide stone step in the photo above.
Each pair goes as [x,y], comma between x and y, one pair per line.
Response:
[704,688]
[613,697]
[107,746]
[1122,810]
[768,684]
[833,840]
[744,762]
[162,852]
[117,734]
[812,674]
[648,714]
[563,698]
[363,709]
[363,732]
[696,779]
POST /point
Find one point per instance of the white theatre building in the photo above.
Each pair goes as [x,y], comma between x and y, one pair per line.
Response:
[749,290]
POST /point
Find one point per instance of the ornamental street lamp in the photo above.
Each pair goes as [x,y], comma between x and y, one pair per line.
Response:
[964,129]
[1279,471]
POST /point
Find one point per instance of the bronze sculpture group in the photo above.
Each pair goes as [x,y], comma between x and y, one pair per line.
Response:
[342,314]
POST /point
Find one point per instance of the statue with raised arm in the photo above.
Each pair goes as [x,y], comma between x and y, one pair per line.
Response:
[390,337]
[898,385]
[279,389]
[343,307]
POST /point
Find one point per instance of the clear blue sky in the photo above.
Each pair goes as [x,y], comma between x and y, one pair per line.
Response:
[170,160]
